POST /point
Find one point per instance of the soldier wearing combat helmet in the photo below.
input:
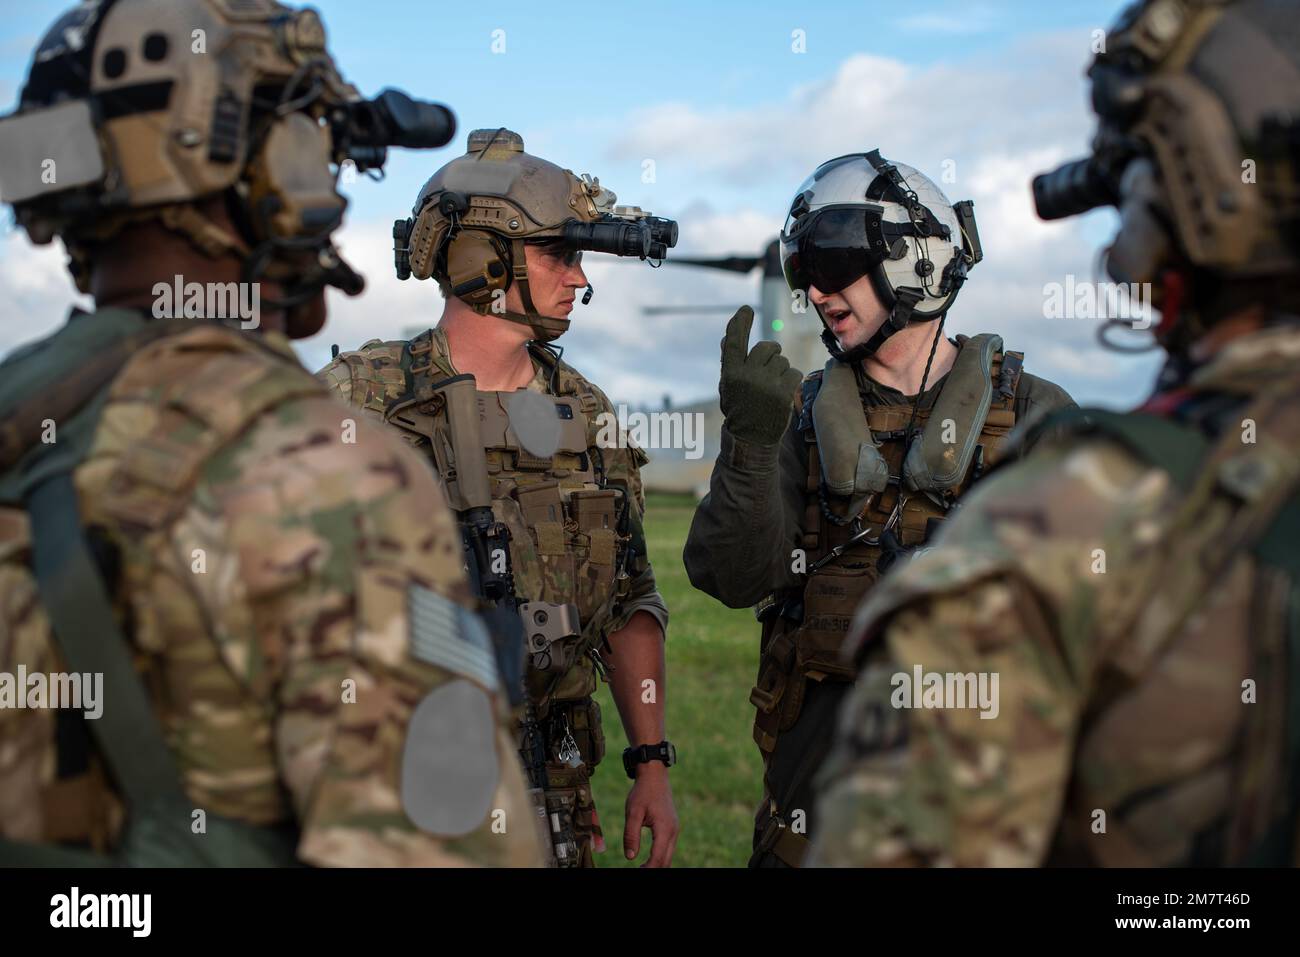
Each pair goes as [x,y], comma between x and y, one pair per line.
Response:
[854,469]
[550,509]
[1133,584]
[289,667]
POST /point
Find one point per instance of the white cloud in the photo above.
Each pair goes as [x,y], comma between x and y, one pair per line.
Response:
[990,123]
[36,290]
[727,175]
[971,19]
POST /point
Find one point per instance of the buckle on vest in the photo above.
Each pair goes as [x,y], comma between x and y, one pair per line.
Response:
[777,662]
[767,700]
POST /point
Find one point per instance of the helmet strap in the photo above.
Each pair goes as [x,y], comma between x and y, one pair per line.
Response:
[544,328]
[207,236]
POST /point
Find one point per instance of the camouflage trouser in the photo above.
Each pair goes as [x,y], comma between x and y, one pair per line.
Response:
[570,808]
[785,821]
[571,815]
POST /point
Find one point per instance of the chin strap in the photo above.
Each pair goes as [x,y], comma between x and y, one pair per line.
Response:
[544,328]
[207,236]
[898,319]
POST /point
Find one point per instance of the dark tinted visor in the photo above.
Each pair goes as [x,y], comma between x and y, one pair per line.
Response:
[830,248]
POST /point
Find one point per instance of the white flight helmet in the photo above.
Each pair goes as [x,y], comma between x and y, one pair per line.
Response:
[860,215]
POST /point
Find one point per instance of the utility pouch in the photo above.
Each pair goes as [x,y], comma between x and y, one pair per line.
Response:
[596,513]
[585,725]
[561,824]
[831,597]
[542,510]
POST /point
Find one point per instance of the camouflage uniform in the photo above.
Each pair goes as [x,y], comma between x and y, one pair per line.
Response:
[1126,629]
[1126,600]
[594,556]
[263,563]
[804,606]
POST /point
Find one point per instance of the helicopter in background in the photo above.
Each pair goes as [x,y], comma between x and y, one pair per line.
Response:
[799,335]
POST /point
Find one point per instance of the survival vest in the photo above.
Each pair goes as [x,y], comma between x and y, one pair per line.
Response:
[65,380]
[870,499]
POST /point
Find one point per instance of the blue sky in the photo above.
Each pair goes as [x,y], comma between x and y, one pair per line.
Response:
[733,119]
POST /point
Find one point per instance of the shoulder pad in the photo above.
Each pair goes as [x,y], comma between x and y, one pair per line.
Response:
[569,381]
[370,377]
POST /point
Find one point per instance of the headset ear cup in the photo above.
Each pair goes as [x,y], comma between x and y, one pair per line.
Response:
[476,267]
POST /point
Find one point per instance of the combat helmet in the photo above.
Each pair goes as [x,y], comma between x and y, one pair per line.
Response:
[472,218]
[1198,145]
[861,215]
[135,109]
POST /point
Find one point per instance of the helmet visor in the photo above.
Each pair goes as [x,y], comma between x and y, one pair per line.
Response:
[831,248]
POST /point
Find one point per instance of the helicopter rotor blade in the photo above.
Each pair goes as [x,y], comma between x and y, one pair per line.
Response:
[738,264]
[687,310]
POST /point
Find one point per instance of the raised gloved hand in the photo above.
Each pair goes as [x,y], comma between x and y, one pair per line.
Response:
[757,389]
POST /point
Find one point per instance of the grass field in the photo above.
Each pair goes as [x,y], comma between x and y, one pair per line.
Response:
[712,657]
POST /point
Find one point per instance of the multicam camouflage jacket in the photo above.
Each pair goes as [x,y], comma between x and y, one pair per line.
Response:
[1096,665]
[265,572]
[573,513]
[553,564]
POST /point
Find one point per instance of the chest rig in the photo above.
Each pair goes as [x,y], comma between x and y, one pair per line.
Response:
[872,497]
[525,470]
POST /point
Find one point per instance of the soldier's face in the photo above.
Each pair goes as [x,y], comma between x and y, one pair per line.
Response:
[853,314]
[554,276]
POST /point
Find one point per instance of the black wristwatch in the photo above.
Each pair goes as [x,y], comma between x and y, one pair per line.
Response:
[663,751]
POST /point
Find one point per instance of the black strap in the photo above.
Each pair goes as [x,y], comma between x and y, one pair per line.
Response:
[1013,363]
[128,733]
[85,628]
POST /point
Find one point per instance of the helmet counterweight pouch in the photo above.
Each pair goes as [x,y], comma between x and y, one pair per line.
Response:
[933,464]
[851,463]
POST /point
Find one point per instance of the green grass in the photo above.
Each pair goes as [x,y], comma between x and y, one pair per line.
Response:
[712,655]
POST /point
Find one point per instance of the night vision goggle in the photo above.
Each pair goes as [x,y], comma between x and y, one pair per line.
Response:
[45,152]
[625,231]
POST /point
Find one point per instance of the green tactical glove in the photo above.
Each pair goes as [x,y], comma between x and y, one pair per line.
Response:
[757,390]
